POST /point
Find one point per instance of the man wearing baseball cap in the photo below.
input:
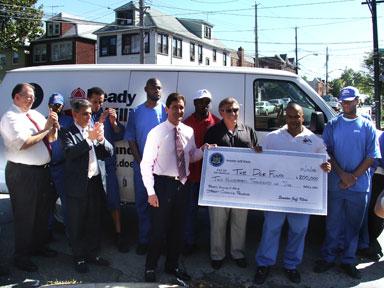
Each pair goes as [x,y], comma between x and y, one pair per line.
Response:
[200,121]
[56,103]
[352,145]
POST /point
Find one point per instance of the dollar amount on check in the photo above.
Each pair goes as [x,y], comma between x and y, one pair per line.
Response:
[272,180]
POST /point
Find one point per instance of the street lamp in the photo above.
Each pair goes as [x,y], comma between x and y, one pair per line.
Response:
[297,61]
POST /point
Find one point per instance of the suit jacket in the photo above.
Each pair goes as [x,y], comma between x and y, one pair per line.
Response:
[76,153]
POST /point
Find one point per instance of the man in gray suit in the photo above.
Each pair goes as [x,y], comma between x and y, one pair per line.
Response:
[83,145]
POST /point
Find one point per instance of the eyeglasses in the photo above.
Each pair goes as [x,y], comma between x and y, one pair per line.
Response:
[231,110]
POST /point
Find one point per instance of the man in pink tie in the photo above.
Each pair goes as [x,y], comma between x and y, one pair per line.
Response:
[27,134]
[169,148]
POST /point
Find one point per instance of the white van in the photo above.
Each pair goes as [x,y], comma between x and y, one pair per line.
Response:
[124,86]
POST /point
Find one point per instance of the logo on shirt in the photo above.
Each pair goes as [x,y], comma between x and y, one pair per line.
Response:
[216,159]
[307,140]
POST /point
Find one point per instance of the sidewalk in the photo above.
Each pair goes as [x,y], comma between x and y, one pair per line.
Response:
[126,270]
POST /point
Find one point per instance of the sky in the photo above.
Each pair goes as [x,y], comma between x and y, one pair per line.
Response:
[344,26]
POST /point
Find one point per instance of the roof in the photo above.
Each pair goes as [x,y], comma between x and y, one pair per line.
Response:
[156,19]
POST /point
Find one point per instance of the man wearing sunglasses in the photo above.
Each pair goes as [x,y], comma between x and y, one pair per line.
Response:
[229,132]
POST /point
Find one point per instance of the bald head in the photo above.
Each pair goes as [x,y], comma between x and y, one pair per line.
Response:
[294,116]
[296,107]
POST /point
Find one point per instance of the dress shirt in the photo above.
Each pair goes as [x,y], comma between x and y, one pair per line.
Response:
[16,128]
[159,155]
[93,167]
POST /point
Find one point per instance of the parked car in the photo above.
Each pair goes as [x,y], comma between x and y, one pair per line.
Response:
[278,102]
[333,102]
[264,108]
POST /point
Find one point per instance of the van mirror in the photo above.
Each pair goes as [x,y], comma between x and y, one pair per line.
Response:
[317,122]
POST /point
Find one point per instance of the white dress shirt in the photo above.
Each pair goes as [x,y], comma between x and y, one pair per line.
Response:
[16,128]
[159,155]
[93,167]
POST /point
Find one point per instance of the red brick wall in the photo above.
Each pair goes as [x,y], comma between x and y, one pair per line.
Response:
[85,53]
[65,27]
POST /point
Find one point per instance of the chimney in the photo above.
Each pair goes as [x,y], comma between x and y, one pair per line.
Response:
[240,53]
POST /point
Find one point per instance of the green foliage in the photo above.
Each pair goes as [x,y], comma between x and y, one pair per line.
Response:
[20,21]
[358,79]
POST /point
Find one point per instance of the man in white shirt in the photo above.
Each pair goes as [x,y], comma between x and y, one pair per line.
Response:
[83,145]
[27,134]
[169,149]
[291,137]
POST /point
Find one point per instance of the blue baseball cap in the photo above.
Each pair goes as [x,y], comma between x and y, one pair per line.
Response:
[56,98]
[348,93]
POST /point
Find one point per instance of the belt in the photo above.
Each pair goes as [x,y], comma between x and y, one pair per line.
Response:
[44,166]
[175,178]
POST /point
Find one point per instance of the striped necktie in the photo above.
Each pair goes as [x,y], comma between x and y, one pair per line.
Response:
[45,139]
[180,160]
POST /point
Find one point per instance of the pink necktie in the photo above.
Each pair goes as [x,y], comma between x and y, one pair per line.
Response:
[180,160]
[45,139]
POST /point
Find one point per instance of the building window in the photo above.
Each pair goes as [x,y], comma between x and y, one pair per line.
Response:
[53,29]
[162,44]
[131,44]
[225,58]
[214,55]
[108,46]
[207,61]
[15,58]
[177,47]
[200,53]
[192,52]
[207,32]
[61,51]
[124,17]
[40,53]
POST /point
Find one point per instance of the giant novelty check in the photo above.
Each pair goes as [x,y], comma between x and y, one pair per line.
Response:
[272,180]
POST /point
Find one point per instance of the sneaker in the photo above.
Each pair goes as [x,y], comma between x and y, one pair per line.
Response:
[178,273]
[261,274]
[322,266]
[141,249]
[370,254]
[293,275]
[150,276]
[351,270]
[81,266]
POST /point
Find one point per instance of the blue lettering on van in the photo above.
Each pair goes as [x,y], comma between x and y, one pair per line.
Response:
[124,97]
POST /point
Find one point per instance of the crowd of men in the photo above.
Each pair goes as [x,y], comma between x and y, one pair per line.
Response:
[46,155]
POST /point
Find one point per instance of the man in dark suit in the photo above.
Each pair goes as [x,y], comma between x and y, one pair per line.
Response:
[83,145]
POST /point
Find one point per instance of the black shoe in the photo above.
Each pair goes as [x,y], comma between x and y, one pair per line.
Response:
[150,276]
[141,249]
[98,261]
[241,262]
[351,270]
[4,270]
[121,244]
[216,264]
[45,252]
[370,254]
[81,266]
[178,273]
[25,264]
[293,275]
[261,274]
[322,266]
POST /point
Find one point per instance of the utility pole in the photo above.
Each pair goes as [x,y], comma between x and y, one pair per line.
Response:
[297,59]
[256,39]
[376,68]
[141,9]
[326,71]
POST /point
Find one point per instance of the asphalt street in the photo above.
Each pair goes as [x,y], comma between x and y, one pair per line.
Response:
[126,270]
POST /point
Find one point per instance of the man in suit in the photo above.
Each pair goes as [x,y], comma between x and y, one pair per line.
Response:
[83,145]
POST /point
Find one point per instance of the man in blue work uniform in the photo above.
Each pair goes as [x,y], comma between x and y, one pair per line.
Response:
[56,103]
[352,145]
[141,120]
[113,131]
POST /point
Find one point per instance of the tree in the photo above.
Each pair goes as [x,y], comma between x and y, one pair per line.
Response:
[368,64]
[20,21]
[357,79]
